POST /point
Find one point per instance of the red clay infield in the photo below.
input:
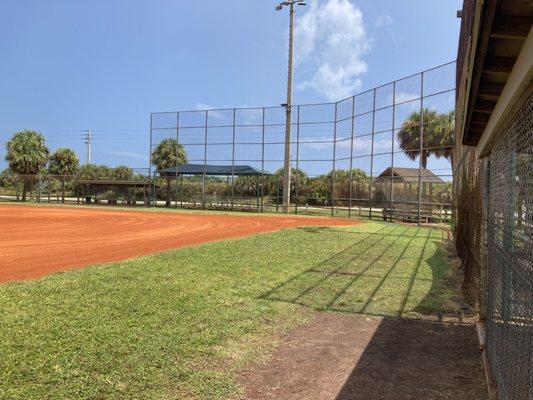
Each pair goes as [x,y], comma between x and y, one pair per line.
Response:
[36,241]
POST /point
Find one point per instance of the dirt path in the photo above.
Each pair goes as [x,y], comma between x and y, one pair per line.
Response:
[341,357]
[36,241]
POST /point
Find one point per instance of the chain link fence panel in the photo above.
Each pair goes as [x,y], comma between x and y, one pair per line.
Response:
[509,278]
[383,154]
[493,229]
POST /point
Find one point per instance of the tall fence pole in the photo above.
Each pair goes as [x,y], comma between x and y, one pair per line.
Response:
[334,161]
[154,194]
[371,192]
[177,155]
[150,157]
[391,189]
[233,157]
[351,160]
[277,193]
[205,159]
[181,190]
[263,159]
[421,148]
[297,176]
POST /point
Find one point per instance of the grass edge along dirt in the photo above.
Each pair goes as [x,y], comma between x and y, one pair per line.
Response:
[183,323]
[377,214]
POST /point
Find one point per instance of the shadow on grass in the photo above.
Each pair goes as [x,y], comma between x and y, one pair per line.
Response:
[399,273]
[396,271]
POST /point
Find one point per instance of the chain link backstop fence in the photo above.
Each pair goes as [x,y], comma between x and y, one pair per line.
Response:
[468,232]
[383,153]
[494,237]
[509,292]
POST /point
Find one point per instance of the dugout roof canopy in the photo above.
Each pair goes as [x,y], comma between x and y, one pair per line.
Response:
[210,169]
[110,182]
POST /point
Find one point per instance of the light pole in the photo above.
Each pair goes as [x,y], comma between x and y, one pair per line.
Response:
[288,105]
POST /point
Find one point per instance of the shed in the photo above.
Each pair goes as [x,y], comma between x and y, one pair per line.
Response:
[408,175]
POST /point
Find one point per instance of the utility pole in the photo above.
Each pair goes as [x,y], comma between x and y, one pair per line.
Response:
[288,105]
[88,139]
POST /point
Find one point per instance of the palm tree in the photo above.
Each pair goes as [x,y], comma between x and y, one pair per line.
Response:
[359,181]
[444,136]
[298,182]
[438,135]
[26,155]
[64,163]
[246,185]
[123,173]
[95,172]
[168,153]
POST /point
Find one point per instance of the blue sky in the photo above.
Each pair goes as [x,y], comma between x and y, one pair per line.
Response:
[68,65]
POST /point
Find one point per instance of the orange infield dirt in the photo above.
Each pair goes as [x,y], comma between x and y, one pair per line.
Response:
[36,241]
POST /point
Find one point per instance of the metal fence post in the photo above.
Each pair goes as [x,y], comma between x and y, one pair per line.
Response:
[233,159]
[263,159]
[150,155]
[205,159]
[391,190]
[351,160]
[421,149]
[334,161]
[154,194]
[277,193]
[40,188]
[181,190]
[177,155]
[372,155]
[257,193]
[297,175]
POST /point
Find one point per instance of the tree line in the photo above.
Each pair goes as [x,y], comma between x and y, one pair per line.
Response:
[28,157]
[30,160]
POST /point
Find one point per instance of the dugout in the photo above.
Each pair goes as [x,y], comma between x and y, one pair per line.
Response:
[227,172]
[126,192]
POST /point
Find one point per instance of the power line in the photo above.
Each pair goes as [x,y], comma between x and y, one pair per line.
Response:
[87,137]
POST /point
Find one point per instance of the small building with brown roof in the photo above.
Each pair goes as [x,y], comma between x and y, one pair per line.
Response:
[408,175]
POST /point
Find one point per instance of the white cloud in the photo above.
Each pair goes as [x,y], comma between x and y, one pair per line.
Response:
[129,154]
[360,144]
[205,106]
[405,97]
[330,44]
[318,144]
[380,145]
[383,20]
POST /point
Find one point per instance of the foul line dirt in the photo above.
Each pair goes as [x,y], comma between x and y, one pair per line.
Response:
[37,241]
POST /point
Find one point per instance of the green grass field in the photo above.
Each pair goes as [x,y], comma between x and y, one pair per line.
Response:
[183,323]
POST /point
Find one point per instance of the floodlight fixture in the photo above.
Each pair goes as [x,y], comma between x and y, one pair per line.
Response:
[290,3]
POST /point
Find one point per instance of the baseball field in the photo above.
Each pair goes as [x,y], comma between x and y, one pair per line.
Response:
[36,241]
[112,304]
